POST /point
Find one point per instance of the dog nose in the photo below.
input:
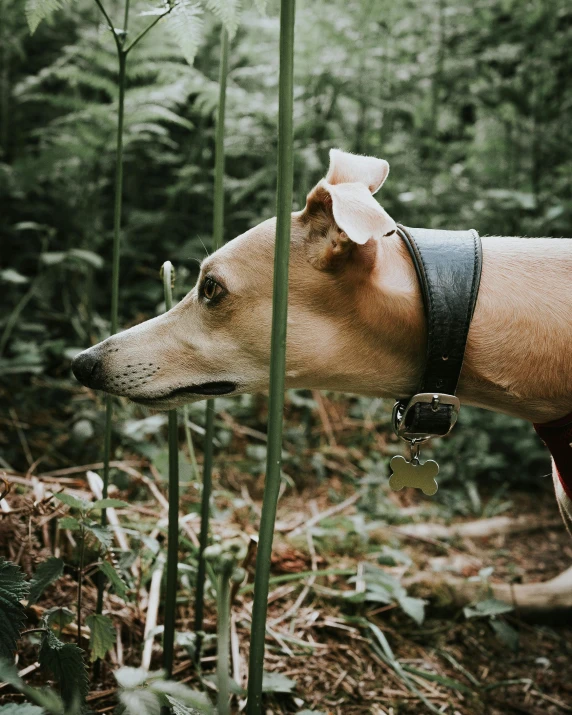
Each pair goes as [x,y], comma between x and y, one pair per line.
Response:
[84,367]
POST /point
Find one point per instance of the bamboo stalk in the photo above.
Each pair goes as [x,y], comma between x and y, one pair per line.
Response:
[218,231]
[277,355]
[173,523]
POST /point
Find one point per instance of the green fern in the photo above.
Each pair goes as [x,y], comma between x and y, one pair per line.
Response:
[228,12]
[38,10]
[185,23]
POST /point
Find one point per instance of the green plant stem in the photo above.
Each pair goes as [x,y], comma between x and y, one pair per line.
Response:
[80,584]
[142,34]
[173,518]
[190,445]
[277,356]
[204,533]
[218,232]
[117,209]
[223,641]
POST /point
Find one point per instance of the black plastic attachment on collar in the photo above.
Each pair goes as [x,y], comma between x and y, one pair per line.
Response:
[448,265]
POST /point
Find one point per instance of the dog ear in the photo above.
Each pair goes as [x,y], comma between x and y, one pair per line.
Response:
[341,207]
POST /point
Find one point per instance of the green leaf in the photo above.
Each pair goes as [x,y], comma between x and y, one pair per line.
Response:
[12,276]
[58,616]
[73,502]
[180,709]
[277,683]
[65,662]
[13,588]
[102,636]
[21,709]
[506,633]
[68,522]
[185,24]
[45,698]
[38,10]
[489,607]
[88,257]
[414,607]
[115,579]
[101,533]
[46,573]
[109,503]
[228,12]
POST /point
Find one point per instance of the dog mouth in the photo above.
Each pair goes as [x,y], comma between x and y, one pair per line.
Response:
[206,389]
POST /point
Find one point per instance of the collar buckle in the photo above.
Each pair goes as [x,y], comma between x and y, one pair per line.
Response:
[425,415]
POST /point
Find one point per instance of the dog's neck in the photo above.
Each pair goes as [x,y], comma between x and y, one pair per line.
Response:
[517,359]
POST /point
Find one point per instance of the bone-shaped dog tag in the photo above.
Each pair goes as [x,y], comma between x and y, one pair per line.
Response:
[414,474]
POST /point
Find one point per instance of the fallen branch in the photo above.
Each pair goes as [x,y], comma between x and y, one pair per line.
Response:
[530,599]
[480,528]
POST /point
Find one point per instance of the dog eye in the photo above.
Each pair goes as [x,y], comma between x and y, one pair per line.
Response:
[211,289]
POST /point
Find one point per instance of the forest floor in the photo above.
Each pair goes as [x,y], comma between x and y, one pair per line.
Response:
[317,638]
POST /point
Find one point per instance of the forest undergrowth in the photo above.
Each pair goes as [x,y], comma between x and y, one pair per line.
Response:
[349,629]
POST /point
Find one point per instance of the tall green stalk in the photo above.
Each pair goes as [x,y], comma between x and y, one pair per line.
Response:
[277,355]
[223,636]
[117,210]
[173,524]
[218,231]
[122,53]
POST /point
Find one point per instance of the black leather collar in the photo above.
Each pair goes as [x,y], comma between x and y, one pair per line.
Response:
[448,265]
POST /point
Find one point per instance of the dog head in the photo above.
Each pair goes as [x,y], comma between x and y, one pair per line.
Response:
[217,339]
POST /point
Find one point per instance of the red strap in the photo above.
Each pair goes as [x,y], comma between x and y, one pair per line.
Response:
[557,436]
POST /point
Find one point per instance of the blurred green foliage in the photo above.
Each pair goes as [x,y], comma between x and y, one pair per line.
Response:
[469,102]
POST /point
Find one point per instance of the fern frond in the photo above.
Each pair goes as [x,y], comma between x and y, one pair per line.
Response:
[228,12]
[38,10]
[185,25]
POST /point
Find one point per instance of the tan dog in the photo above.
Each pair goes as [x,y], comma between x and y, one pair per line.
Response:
[355,315]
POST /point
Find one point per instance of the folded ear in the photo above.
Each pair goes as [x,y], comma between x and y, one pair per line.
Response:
[350,168]
[341,207]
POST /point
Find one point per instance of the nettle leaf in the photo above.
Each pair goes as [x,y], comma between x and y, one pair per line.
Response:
[180,709]
[143,693]
[277,683]
[185,23]
[65,662]
[101,533]
[68,522]
[21,709]
[58,616]
[115,579]
[228,12]
[45,698]
[102,636]
[73,502]
[109,503]
[46,573]
[38,10]
[488,607]
[13,588]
